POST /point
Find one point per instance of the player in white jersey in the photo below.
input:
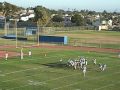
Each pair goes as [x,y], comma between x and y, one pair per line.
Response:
[75,64]
[84,70]
[29,53]
[6,55]
[81,64]
[21,53]
[61,60]
[94,61]
[119,55]
[100,66]
[86,62]
[104,67]
[45,55]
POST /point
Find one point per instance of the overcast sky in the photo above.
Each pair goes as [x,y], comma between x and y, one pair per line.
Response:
[97,5]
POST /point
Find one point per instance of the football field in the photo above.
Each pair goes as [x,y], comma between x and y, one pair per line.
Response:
[44,71]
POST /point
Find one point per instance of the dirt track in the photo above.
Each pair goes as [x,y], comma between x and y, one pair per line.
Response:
[71,48]
[11,54]
[82,48]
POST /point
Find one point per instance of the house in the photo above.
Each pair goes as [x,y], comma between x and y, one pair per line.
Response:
[53,15]
[32,15]
[103,26]
[24,18]
[110,23]
[67,20]
[25,15]
[96,23]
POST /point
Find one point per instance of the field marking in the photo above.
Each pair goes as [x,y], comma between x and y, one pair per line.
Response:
[25,69]
[108,85]
[61,78]
[46,81]
[20,71]
[29,69]
[33,59]
[26,76]
[37,74]
[83,81]
[64,56]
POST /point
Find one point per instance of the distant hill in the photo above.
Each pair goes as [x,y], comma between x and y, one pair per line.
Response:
[8,9]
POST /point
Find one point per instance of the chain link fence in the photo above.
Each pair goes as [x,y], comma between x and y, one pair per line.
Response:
[32,39]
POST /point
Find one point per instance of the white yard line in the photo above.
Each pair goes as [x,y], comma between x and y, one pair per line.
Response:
[46,81]
[21,71]
[83,81]
[31,75]
[27,76]
[108,85]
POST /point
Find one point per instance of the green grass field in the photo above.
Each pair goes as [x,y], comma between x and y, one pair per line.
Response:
[48,73]
[41,72]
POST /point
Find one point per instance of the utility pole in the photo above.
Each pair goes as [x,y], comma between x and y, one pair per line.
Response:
[5,27]
[16,31]
[38,33]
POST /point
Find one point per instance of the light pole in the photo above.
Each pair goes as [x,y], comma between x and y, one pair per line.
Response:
[4,12]
[16,31]
[5,29]
[38,33]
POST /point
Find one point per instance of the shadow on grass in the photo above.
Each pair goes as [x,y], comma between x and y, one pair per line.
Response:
[56,65]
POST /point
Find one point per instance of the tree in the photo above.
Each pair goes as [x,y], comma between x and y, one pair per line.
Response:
[8,9]
[91,12]
[78,20]
[105,15]
[57,18]
[41,16]
[61,12]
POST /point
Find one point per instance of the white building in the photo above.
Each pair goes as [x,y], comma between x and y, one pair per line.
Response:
[30,11]
[110,23]
[25,15]
[24,18]
[103,26]
[97,16]
[67,20]
[31,15]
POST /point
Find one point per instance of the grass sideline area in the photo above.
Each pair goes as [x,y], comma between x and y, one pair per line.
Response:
[40,72]
[88,38]
[92,38]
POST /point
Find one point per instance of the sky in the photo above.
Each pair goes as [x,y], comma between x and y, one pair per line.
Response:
[97,5]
